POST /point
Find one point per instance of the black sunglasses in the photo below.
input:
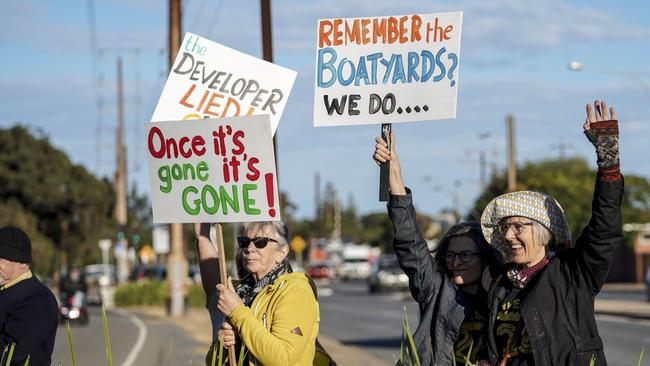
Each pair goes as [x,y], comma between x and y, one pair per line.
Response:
[259,242]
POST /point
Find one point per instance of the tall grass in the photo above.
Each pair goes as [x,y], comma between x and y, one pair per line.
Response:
[69,333]
[107,338]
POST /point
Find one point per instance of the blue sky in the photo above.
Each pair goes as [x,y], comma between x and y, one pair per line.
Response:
[514,57]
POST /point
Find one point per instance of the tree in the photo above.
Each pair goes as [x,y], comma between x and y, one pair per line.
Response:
[63,207]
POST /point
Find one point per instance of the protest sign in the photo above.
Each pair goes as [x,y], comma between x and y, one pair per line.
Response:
[387,69]
[209,80]
[213,170]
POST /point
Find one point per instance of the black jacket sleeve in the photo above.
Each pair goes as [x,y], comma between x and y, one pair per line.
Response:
[26,327]
[411,249]
[595,246]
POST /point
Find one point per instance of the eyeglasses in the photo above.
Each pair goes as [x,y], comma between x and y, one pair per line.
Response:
[464,255]
[517,227]
[259,242]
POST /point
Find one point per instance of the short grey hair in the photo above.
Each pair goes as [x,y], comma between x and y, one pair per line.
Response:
[278,227]
[542,235]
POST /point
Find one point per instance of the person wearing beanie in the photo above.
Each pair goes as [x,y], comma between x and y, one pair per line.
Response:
[541,306]
[449,287]
[28,309]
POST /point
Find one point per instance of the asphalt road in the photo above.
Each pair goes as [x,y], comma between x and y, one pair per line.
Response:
[374,322]
[136,339]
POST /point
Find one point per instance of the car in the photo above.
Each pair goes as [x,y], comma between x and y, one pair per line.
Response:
[387,275]
[96,277]
[320,270]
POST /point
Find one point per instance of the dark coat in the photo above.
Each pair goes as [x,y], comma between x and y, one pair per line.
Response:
[29,318]
[442,306]
[557,304]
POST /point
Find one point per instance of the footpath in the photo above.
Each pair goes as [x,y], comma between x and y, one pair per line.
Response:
[196,324]
[624,308]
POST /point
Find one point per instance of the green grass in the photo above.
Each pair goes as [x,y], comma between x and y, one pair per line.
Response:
[107,338]
[69,333]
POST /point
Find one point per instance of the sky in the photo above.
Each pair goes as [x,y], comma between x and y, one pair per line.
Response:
[58,76]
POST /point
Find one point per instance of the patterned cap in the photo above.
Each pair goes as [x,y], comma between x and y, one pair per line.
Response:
[533,205]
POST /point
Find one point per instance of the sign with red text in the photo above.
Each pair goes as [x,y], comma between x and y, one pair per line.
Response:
[387,69]
[209,80]
[213,170]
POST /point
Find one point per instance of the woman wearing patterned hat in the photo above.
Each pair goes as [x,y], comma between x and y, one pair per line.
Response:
[541,308]
[448,288]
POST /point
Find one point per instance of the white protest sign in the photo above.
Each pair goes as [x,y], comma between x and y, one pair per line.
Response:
[387,69]
[213,170]
[209,80]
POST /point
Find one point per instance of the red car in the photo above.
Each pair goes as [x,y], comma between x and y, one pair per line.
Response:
[321,270]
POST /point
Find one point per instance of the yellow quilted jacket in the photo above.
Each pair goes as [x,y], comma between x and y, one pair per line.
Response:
[281,326]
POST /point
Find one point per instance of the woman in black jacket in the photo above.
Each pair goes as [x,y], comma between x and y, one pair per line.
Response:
[448,288]
[541,308]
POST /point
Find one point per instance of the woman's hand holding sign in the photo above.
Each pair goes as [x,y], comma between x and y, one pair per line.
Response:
[227,298]
[382,155]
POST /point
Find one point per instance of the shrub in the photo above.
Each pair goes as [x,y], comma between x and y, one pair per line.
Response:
[155,293]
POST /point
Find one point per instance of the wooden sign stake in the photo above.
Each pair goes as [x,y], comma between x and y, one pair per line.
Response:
[232,357]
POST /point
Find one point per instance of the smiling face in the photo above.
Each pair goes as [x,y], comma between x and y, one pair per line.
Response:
[9,270]
[464,261]
[521,246]
[260,261]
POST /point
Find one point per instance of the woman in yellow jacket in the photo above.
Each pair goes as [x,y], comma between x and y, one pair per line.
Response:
[273,312]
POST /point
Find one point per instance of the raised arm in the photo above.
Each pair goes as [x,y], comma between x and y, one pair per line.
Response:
[210,274]
[208,259]
[409,244]
[604,232]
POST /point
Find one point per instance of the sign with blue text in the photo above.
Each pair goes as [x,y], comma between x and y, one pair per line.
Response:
[387,69]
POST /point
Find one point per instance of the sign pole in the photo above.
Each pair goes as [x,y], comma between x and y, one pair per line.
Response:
[232,357]
[384,168]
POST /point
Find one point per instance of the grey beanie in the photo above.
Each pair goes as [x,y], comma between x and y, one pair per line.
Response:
[15,245]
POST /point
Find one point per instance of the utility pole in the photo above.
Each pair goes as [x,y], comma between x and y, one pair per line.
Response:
[177,266]
[120,185]
[562,148]
[482,168]
[512,161]
[267,52]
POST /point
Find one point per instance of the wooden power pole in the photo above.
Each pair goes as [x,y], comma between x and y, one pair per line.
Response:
[512,161]
[267,53]
[177,266]
[120,185]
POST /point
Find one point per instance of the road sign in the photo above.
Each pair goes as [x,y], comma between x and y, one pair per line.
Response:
[105,244]
[298,244]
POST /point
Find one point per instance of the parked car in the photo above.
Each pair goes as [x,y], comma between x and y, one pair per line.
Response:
[320,270]
[387,275]
[96,278]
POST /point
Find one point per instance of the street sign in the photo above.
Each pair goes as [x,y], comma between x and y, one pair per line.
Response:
[105,244]
[161,239]
[298,244]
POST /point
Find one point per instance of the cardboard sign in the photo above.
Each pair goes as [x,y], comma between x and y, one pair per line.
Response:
[213,170]
[387,69]
[209,80]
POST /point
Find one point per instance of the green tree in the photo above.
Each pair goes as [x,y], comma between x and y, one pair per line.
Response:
[63,207]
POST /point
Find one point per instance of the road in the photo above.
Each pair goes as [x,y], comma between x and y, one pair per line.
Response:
[135,340]
[374,322]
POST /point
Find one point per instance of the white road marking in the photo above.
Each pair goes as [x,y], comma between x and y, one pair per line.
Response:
[142,335]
